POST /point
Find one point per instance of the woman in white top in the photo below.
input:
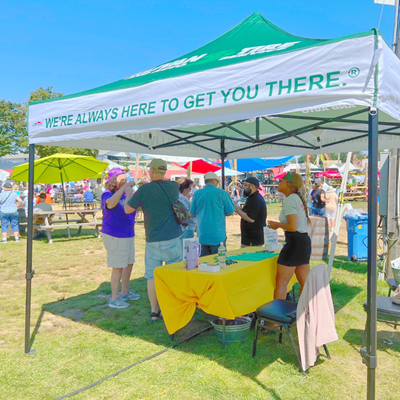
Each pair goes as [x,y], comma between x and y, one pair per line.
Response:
[331,206]
[295,255]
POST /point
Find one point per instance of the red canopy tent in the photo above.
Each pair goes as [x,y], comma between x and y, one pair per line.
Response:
[330,173]
[280,176]
[200,166]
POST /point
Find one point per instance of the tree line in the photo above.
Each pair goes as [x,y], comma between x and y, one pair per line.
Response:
[14,127]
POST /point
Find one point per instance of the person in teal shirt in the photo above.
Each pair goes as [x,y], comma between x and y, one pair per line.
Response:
[211,205]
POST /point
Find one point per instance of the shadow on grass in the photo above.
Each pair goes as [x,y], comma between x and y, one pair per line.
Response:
[92,308]
[61,235]
[387,340]
[343,294]
[341,262]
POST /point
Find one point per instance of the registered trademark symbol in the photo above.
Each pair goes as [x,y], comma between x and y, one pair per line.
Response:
[354,72]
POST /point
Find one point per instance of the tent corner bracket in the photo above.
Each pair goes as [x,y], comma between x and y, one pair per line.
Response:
[369,361]
[30,275]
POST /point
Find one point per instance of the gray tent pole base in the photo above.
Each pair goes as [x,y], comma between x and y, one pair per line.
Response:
[29,271]
[369,353]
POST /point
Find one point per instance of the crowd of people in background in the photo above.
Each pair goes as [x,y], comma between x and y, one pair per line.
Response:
[207,209]
[15,197]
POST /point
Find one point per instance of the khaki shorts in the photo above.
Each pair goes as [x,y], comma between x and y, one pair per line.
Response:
[120,251]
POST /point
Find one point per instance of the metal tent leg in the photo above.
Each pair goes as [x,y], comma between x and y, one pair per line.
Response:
[29,271]
[369,354]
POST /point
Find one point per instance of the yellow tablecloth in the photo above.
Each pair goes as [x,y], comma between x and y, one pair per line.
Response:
[236,290]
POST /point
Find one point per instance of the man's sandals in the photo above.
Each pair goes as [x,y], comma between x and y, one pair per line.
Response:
[155,315]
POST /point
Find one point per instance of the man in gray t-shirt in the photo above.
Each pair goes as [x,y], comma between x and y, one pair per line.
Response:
[163,243]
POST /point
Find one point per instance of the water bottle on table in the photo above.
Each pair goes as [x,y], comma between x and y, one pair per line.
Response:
[222,256]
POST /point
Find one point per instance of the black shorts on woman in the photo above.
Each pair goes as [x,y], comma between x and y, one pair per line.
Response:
[296,251]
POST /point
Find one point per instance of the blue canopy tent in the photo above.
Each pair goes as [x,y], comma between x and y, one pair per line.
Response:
[257,164]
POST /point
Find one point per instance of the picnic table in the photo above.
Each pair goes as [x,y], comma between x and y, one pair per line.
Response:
[72,201]
[356,192]
[229,293]
[48,221]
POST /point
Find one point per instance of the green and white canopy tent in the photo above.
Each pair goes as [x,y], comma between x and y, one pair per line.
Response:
[256,91]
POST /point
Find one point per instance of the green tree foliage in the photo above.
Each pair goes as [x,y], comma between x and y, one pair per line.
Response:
[44,151]
[13,133]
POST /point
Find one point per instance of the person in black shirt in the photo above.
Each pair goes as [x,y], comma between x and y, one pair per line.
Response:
[318,199]
[253,214]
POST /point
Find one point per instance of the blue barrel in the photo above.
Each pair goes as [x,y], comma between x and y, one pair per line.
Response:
[357,236]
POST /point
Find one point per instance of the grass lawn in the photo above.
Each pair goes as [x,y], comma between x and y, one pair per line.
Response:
[79,340]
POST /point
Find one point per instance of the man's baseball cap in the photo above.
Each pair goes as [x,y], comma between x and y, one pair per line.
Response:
[158,164]
[211,175]
[7,185]
[253,181]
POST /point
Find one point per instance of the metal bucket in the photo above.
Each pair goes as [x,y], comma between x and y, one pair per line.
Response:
[396,274]
[234,333]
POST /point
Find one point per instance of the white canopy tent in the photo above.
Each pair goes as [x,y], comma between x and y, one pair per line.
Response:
[229,172]
[4,175]
[256,91]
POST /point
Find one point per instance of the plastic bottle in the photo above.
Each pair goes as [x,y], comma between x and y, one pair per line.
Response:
[222,256]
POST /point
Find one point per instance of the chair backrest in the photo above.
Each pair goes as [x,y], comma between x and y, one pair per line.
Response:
[317,279]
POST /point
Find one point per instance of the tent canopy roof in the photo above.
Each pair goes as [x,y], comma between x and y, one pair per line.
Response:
[255,91]
[252,39]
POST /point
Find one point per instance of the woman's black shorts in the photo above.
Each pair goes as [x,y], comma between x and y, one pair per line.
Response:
[296,251]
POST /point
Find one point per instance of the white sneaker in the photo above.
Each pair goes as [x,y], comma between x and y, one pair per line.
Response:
[17,239]
[118,303]
[3,240]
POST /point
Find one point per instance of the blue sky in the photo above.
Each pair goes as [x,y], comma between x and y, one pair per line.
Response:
[79,45]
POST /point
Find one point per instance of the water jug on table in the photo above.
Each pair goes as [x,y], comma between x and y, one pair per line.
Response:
[193,251]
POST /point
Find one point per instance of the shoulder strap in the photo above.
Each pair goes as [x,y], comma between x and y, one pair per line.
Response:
[7,197]
[163,191]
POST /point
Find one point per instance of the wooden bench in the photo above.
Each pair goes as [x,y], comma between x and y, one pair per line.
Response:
[43,221]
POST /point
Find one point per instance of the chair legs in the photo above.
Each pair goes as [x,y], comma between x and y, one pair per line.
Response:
[256,338]
[287,328]
[327,352]
[295,348]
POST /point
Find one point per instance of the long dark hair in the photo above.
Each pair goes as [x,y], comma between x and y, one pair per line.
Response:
[185,184]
